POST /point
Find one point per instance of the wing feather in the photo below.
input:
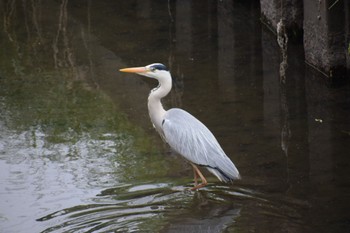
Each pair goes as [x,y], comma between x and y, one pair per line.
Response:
[193,140]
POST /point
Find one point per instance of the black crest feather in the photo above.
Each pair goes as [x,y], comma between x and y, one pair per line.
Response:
[159,66]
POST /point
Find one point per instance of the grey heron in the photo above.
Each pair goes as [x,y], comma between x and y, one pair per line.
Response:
[184,133]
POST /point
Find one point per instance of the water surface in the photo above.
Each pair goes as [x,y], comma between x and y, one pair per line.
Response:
[79,154]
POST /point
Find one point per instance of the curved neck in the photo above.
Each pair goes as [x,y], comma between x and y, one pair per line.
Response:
[155,107]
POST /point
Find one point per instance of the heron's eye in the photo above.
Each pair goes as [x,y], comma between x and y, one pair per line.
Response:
[153,69]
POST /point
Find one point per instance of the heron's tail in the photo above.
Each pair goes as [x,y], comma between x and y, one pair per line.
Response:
[224,177]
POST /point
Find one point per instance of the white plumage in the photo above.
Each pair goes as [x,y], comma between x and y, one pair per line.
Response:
[193,140]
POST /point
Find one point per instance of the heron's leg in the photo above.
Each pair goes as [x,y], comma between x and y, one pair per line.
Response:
[195,176]
[204,181]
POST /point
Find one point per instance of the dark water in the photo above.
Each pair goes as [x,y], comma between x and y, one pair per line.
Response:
[77,149]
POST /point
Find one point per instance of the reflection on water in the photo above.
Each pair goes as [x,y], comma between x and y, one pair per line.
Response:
[57,145]
[136,208]
[78,152]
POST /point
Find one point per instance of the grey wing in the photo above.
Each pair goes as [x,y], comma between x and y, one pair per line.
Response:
[193,140]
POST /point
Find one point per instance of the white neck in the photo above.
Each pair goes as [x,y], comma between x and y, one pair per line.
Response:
[155,108]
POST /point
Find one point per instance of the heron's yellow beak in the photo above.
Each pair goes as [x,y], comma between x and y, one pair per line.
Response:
[134,70]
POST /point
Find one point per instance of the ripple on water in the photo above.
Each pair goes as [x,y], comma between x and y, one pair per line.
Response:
[163,207]
[147,207]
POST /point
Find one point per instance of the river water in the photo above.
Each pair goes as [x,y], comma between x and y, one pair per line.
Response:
[78,152]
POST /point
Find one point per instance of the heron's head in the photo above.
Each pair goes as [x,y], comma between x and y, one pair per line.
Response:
[155,70]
